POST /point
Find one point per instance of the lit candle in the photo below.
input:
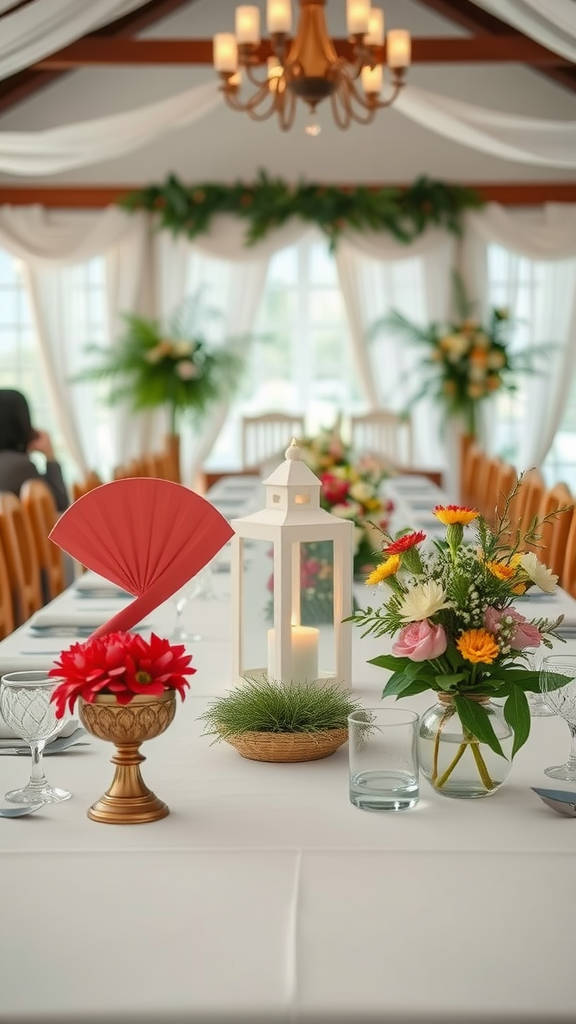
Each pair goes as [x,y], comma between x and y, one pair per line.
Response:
[398,48]
[372,79]
[303,654]
[375,34]
[357,16]
[225,52]
[279,16]
[247,25]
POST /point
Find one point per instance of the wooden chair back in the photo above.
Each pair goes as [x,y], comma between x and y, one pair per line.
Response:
[568,569]
[6,605]
[552,545]
[90,481]
[487,475]
[504,484]
[526,503]
[39,505]
[21,557]
[471,459]
[268,435]
[385,434]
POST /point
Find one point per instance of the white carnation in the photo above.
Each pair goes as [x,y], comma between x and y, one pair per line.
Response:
[423,601]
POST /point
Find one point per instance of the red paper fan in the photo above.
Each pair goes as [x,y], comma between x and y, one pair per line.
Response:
[148,536]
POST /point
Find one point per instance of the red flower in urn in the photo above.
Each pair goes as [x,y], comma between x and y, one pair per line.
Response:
[120,664]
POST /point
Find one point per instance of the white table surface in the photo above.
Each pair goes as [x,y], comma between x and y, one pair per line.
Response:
[266,896]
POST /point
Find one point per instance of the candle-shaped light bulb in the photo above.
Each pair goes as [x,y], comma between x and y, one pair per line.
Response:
[375,34]
[372,79]
[225,52]
[275,72]
[235,80]
[398,48]
[247,25]
[357,16]
[279,16]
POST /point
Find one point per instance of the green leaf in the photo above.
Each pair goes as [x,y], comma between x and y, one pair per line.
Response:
[450,682]
[517,714]
[475,719]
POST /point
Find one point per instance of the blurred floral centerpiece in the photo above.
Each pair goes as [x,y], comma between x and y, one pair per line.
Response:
[351,490]
[465,362]
[458,633]
[174,367]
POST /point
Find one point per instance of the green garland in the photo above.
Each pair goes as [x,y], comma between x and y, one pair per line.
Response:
[271,202]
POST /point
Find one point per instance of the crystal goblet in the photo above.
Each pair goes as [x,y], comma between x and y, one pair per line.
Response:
[26,707]
[558,686]
[538,706]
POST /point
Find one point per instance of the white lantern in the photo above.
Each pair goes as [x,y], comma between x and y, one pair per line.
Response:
[272,584]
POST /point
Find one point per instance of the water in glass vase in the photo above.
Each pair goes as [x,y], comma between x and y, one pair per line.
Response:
[383,790]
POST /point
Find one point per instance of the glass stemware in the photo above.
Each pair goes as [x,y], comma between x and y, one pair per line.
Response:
[538,706]
[180,599]
[26,707]
[560,696]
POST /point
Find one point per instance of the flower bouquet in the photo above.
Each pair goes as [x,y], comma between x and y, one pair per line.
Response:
[466,361]
[457,633]
[151,366]
[121,665]
[125,687]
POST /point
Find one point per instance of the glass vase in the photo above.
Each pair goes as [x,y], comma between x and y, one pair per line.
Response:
[455,763]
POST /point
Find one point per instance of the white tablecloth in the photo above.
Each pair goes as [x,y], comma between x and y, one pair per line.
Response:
[266,896]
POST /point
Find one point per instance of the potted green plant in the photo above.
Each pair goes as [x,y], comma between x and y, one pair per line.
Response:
[268,720]
[175,367]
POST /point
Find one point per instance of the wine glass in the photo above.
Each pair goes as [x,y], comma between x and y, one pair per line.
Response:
[180,599]
[26,707]
[558,686]
[538,706]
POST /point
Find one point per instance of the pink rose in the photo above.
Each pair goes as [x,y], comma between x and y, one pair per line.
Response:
[420,641]
[524,635]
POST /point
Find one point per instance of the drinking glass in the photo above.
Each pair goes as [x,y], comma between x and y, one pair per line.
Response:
[560,696]
[538,706]
[181,598]
[26,707]
[383,758]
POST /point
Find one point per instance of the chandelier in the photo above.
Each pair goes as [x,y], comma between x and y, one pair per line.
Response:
[308,67]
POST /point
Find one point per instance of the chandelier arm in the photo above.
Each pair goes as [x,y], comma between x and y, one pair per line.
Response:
[397,84]
[287,111]
[253,78]
[248,106]
[347,95]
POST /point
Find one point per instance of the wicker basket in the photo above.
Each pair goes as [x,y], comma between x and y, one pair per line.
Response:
[287,746]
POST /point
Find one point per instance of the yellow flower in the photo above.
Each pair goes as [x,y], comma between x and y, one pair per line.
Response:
[501,571]
[478,645]
[451,514]
[381,572]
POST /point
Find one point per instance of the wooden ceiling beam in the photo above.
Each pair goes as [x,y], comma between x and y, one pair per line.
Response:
[99,52]
[96,196]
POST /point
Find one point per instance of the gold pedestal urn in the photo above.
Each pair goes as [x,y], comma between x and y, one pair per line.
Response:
[128,801]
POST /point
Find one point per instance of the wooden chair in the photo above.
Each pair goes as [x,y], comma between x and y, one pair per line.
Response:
[383,433]
[554,539]
[524,506]
[91,480]
[268,435]
[471,459]
[39,505]
[21,558]
[568,569]
[487,474]
[506,478]
[6,606]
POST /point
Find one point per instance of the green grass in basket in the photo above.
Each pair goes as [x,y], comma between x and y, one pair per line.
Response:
[274,707]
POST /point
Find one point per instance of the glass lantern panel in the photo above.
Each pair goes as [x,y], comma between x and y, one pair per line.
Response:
[257,602]
[315,596]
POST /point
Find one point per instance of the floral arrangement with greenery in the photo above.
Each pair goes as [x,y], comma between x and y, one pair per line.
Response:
[151,366]
[269,203]
[351,490]
[467,362]
[451,609]
[122,665]
[263,705]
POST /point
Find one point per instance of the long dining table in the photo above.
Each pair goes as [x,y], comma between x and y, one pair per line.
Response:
[265,895]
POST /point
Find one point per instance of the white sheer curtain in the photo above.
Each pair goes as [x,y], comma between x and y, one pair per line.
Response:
[242,274]
[44,26]
[548,237]
[550,22]
[48,244]
[378,274]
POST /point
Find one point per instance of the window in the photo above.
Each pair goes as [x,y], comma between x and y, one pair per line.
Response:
[300,360]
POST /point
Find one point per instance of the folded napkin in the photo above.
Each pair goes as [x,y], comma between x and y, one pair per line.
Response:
[69,618]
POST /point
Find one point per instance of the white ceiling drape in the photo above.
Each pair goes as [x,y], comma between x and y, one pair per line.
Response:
[550,22]
[509,136]
[45,26]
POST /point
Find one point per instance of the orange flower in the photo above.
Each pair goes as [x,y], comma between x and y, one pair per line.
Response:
[478,645]
[501,571]
[452,514]
[381,572]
